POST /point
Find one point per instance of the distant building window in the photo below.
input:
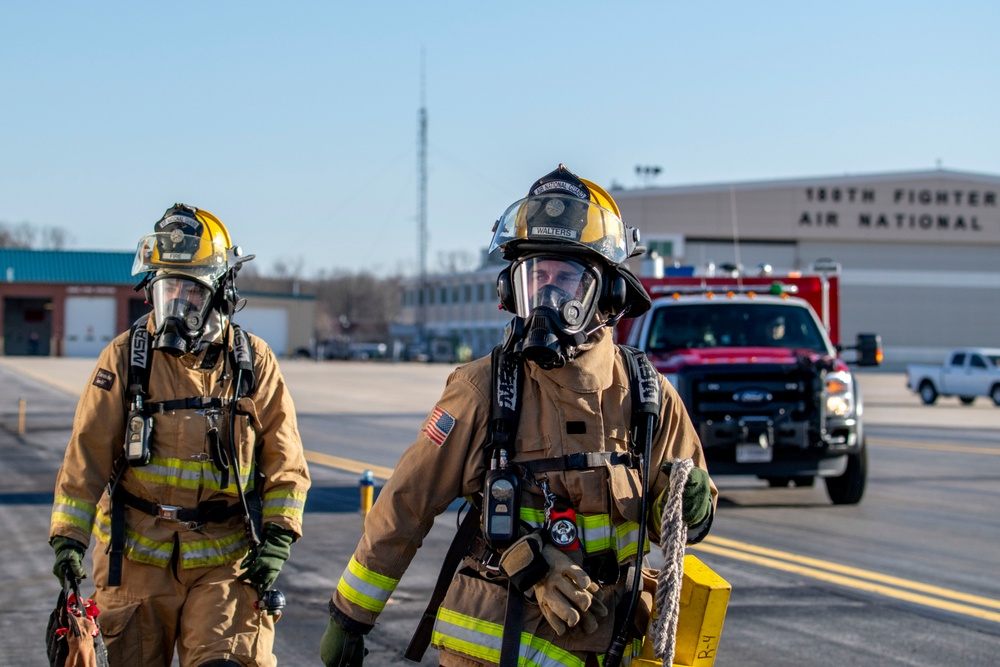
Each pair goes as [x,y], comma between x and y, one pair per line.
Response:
[443,294]
[466,293]
[663,248]
[480,292]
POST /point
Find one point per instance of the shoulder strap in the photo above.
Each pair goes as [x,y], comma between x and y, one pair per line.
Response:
[647,397]
[140,359]
[243,361]
[505,401]
[644,388]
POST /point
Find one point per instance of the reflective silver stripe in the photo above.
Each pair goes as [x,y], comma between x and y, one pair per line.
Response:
[183,477]
[207,553]
[628,540]
[204,553]
[284,503]
[595,532]
[74,512]
[483,639]
[369,590]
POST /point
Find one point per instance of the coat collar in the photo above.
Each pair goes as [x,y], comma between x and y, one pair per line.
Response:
[592,370]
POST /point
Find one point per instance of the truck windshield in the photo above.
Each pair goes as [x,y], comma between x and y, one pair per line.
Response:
[734,325]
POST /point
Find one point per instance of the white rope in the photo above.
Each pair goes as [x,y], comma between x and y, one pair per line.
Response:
[673,538]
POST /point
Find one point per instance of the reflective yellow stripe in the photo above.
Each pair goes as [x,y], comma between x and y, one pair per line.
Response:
[207,553]
[636,648]
[74,512]
[483,639]
[188,475]
[203,553]
[369,590]
[596,532]
[627,538]
[284,503]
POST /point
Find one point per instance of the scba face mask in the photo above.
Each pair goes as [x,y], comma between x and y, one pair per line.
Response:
[556,300]
[183,311]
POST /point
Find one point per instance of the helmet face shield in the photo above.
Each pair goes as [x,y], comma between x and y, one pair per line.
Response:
[563,218]
[562,286]
[198,256]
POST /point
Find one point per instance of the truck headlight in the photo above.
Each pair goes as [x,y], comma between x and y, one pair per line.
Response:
[839,395]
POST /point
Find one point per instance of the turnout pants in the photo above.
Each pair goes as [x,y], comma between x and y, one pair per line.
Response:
[204,611]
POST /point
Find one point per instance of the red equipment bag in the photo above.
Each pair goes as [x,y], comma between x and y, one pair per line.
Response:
[73,636]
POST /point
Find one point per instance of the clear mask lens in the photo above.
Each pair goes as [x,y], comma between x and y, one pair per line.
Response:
[565,286]
[183,299]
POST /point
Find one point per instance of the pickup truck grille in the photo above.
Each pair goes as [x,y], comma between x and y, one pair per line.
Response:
[773,390]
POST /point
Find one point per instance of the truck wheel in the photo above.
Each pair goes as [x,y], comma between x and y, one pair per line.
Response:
[850,487]
[967,400]
[928,394]
[995,394]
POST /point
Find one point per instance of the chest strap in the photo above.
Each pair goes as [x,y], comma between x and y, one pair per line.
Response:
[580,461]
[213,511]
[192,403]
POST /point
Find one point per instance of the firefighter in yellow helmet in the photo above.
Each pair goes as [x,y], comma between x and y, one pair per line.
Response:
[185,464]
[544,436]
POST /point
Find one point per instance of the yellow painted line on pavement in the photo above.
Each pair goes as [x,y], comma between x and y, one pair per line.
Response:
[851,577]
[347,464]
[909,444]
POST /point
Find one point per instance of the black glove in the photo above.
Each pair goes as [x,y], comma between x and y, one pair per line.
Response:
[697,496]
[340,647]
[69,554]
[264,563]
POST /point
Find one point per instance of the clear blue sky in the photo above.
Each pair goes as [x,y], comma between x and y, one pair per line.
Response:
[296,122]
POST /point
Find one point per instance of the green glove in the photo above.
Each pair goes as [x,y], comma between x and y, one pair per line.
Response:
[340,647]
[264,563]
[69,553]
[697,496]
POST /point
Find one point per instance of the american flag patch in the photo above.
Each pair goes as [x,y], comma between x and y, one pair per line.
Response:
[439,425]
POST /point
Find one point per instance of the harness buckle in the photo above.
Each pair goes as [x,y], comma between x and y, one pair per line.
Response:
[167,512]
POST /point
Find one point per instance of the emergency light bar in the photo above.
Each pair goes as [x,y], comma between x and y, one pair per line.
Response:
[775,288]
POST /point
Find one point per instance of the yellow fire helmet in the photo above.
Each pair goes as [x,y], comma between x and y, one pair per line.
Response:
[563,209]
[187,241]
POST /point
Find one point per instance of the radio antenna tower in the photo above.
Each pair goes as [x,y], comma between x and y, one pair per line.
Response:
[422,203]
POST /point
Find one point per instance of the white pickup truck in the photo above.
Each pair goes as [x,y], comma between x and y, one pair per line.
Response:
[967,373]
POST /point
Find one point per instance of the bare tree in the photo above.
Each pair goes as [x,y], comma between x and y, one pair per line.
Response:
[457,261]
[27,235]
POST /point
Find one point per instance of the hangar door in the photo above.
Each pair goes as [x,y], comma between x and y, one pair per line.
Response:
[271,324]
[27,326]
[90,325]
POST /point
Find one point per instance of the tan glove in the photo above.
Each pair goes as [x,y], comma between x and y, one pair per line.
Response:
[566,594]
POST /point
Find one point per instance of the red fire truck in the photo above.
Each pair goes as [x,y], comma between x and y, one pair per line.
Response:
[757,361]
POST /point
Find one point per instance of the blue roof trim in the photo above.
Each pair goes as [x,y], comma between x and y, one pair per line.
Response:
[18,265]
[84,267]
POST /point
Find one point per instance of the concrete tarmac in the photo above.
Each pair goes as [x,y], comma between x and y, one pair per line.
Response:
[31,452]
[29,461]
